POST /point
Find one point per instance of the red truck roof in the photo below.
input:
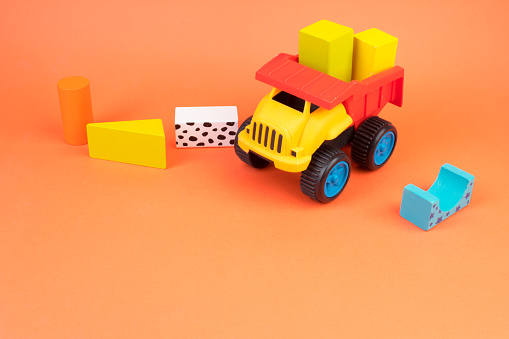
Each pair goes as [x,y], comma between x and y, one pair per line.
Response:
[285,73]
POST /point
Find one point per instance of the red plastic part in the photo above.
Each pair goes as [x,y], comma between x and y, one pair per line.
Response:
[285,73]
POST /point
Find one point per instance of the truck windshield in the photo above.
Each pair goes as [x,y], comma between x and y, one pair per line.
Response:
[292,101]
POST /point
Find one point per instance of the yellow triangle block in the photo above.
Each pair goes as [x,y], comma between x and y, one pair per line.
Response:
[138,142]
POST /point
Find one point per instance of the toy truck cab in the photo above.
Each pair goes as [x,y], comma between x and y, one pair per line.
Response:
[287,130]
[308,116]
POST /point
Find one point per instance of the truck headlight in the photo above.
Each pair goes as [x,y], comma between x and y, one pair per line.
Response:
[296,151]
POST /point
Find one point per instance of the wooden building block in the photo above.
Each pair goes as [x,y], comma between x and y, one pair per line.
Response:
[139,142]
[374,51]
[327,47]
[450,192]
[214,126]
[76,108]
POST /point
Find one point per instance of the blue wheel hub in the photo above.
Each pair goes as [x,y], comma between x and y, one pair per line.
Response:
[384,148]
[336,179]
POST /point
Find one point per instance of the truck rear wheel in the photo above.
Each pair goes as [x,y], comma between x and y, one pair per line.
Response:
[249,158]
[327,174]
[374,143]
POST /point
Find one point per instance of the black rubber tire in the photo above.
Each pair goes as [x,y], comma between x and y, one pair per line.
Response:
[250,158]
[366,140]
[313,179]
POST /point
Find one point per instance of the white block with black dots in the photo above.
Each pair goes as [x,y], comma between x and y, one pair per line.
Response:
[214,126]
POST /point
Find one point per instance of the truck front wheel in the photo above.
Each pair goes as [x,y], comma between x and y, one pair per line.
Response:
[327,174]
[374,143]
[249,158]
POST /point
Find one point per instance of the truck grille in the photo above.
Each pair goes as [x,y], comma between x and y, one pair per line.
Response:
[267,136]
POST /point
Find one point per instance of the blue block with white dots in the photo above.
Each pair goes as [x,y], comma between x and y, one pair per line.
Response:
[450,192]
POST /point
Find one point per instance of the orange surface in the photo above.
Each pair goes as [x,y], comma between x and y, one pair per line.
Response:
[210,248]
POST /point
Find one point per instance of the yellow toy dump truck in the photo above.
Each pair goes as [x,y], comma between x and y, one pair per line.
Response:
[308,116]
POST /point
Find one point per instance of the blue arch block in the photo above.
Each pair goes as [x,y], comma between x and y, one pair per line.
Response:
[450,192]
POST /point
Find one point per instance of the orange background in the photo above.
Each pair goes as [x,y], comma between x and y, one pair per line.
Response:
[210,248]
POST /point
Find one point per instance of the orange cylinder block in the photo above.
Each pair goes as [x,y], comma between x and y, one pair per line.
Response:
[76,108]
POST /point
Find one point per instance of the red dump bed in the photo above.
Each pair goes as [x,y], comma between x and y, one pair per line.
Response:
[362,99]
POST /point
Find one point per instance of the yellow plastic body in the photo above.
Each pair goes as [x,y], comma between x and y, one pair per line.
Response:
[374,51]
[328,48]
[302,132]
[139,142]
